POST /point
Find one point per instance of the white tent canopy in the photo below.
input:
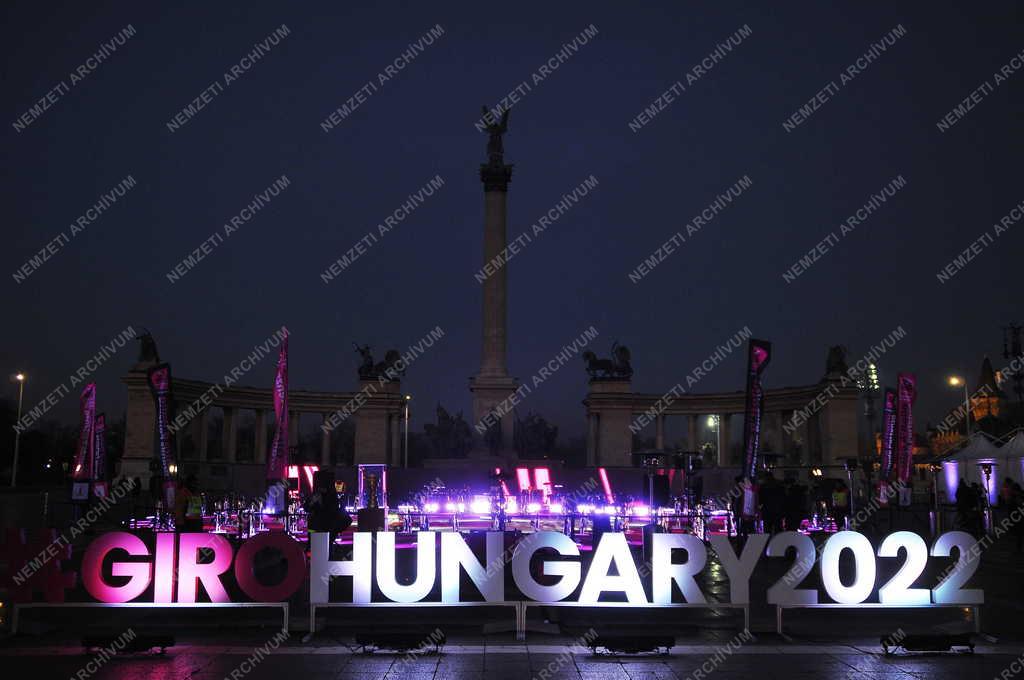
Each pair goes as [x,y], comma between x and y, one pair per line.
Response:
[1014,447]
[979,447]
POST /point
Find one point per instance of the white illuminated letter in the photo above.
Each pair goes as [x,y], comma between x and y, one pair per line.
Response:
[664,572]
[489,577]
[612,548]
[322,568]
[739,569]
[864,567]
[426,569]
[949,590]
[569,571]
[784,591]
[898,591]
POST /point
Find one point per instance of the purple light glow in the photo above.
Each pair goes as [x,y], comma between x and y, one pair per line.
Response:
[952,477]
[992,483]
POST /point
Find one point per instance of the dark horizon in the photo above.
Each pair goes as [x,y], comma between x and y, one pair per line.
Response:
[729,123]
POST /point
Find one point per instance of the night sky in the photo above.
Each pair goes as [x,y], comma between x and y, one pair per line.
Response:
[573,124]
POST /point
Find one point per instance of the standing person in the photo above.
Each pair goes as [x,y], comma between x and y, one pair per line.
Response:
[736,506]
[1006,494]
[964,503]
[325,514]
[188,506]
[981,505]
[749,507]
[1016,505]
[794,505]
[840,505]
[772,499]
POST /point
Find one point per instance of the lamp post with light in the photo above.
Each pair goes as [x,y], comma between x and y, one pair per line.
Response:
[20,377]
[957,381]
[405,452]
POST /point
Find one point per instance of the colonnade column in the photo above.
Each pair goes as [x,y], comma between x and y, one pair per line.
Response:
[260,455]
[229,438]
[204,433]
[724,446]
[325,443]
[592,430]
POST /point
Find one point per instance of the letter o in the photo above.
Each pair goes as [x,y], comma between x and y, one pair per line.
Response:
[245,567]
[864,567]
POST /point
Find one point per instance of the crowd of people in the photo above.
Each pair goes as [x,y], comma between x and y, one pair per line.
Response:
[784,505]
[972,503]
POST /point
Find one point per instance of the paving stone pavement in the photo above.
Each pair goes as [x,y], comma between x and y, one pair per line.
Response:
[479,660]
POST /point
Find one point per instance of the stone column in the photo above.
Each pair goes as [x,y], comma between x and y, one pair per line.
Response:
[694,430]
[293,436]
[773,432]
[325,443]
[593,426]
[659,435]
[204,433]
[140,416]
[229,438]
[495,176]
[396,439]
[724,444]
[260,455]
[492,386]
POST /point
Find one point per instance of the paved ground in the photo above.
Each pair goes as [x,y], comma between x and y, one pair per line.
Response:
[293,660]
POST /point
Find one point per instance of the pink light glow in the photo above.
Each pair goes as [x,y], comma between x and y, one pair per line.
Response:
[952,478]
[555,508]
[480,506]
[542,475]
[189,571]
[533,508]
[641,510]
[523,477]
[139,573]
[431,507]
[293,472]
[512,505]
[309,470]
[606,485]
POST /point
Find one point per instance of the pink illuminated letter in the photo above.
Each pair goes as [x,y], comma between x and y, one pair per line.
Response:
[139,573]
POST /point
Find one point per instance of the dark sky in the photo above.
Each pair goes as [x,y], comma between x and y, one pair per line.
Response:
[572,125]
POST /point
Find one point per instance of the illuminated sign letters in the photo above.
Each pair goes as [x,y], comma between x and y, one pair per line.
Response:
[546,566]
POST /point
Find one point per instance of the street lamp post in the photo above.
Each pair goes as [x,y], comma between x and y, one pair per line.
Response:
[20,377]
[405,452]
[957,381]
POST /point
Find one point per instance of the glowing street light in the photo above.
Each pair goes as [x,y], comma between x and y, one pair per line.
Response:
[405,453]
[957,381]
[20,377]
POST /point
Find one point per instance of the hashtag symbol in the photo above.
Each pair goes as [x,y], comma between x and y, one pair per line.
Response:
[32,565]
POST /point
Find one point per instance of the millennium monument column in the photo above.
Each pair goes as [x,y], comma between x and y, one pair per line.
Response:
[492,385]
